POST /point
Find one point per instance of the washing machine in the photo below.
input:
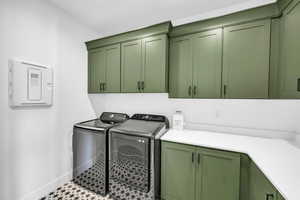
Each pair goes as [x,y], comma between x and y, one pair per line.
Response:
[90,151]
[134,150]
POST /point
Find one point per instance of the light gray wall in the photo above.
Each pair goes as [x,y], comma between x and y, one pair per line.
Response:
[265,118]
[35,143]
[297,140]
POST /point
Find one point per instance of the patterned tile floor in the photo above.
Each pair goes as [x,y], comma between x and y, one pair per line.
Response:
[72,191]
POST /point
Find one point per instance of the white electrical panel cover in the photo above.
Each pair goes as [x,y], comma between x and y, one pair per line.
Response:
[30,84]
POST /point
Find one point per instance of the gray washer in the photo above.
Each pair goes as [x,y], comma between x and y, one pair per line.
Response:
[134,157]
[90,151]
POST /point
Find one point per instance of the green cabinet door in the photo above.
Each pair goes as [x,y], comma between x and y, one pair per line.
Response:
[207,64]
[218,175]
[279,196]
[180,78]
[154,64]
[259,186]
[178,172]
[96,70]
[113,69]
[246,60]
[290,60]
[131,65]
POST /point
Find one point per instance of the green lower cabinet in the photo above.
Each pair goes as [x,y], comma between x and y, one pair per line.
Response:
[289,69]
[279,196]
[198,173]
[193,173]
[246,60]
[218,175]
[178,172]
[260,187]
[244,177]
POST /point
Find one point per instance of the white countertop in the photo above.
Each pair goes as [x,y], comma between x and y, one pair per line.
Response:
[278,159]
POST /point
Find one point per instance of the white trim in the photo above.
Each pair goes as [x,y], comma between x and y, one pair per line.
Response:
[223,11]
[49,187]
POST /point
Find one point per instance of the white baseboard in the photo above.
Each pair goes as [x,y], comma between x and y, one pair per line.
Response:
[49,187]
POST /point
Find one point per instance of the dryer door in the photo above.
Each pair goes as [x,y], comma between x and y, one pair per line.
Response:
[130,160]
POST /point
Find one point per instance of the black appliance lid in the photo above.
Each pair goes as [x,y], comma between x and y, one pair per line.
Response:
[142,125]
[152,118]
[106,120]
[113,118]
[94,124]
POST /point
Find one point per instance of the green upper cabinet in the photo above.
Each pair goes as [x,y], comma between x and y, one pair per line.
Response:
[289,70]
[178,172]
[196,65]
[246,60]
[180,68]
[113,69]
[131,62]
[252,54]
[144,65]
[207,64]
[104,70]
[154,76]
[218,175]
[96,70]
[131,66]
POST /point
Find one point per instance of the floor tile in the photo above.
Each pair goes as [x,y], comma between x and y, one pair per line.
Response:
[72,191]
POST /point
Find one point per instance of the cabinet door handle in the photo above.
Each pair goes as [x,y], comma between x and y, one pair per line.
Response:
[195,90]
[298,85]
[199,158]
[225,90]
[190,91]
[100,84]
[139,85]
[193,157]
[104,86]
[269,196]
[143,85]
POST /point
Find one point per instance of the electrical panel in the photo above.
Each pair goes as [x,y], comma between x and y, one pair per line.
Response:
[30,84]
